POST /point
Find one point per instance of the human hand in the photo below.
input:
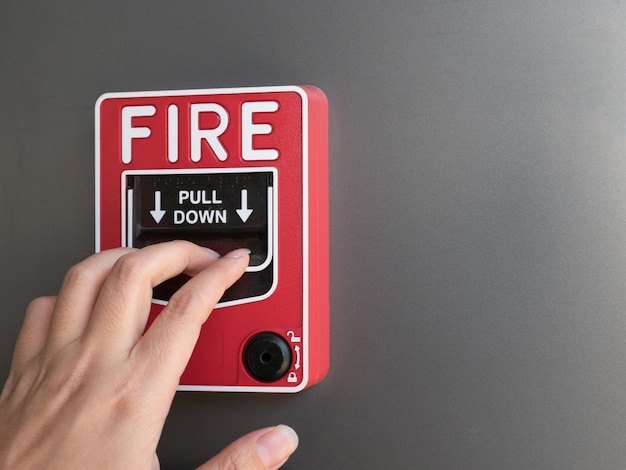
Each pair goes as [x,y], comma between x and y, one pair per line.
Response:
[88,389]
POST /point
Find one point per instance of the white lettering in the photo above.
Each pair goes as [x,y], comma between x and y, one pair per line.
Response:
[252,128]
[183,195]
[179,217]
[191,217]
[210,135]
[198,196]
[249,129]
[220,216]
[214,197]
[129,132]
[172,133]
[206,216]
[197,199]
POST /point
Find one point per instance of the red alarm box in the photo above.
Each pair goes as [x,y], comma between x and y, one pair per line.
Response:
[229,168]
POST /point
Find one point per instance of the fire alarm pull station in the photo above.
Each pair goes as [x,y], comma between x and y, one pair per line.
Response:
[226,169]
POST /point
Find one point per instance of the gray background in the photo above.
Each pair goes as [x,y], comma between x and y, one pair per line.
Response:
[478,211]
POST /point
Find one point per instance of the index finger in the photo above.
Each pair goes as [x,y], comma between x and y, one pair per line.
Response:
[165,349]
[123,305]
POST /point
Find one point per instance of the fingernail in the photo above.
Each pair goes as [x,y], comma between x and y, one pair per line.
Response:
[238,253]
[211,252]
[276,445]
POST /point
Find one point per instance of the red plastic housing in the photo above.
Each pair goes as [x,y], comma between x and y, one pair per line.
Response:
[196,164]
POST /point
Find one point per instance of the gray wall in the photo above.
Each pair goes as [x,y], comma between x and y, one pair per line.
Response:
[478,211]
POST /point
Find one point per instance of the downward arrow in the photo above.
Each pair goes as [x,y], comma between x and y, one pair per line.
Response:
[244,213]
[157,214]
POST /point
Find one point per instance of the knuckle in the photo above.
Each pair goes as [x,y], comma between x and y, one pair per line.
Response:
[187,299]
[182,243]
[129,268]
[78,275]
[231,462]
[238,459]
[41,304]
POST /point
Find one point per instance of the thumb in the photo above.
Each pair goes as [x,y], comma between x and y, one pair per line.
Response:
[265,449]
